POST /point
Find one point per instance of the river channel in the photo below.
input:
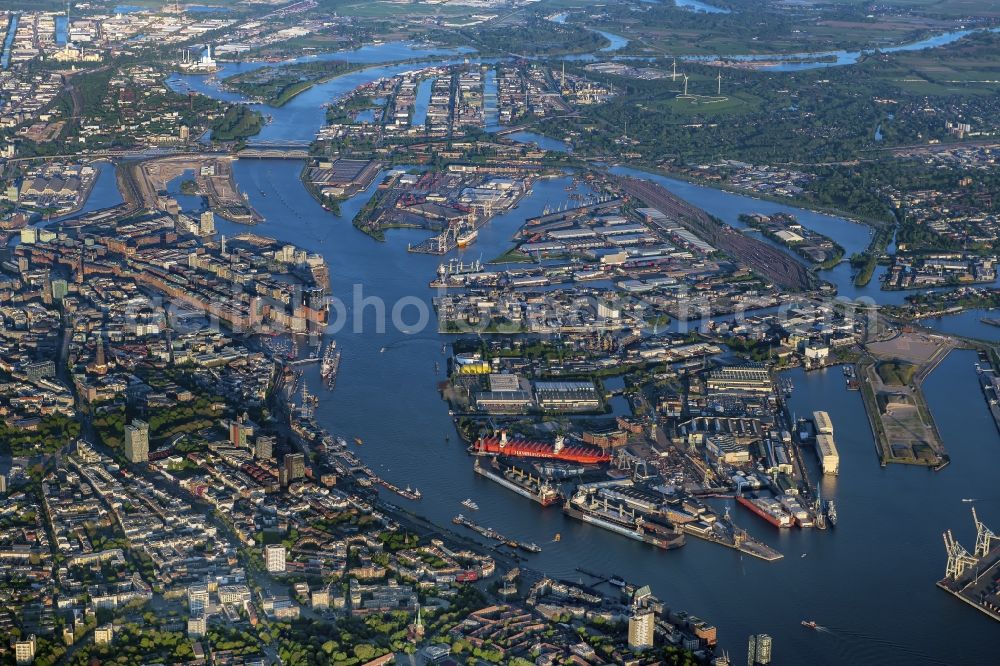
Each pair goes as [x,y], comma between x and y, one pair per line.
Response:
[869,582]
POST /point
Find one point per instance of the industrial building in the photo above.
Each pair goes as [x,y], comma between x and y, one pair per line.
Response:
[740,379]
[826,449]
[567,396]
[824,425]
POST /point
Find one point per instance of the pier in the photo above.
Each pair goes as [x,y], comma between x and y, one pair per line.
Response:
[736,538]
[492,534]
[972,577]
[990,383]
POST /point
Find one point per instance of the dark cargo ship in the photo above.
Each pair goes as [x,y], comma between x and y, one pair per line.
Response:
[521,482]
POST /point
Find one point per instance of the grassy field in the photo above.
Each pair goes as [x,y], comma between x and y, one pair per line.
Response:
[896,373]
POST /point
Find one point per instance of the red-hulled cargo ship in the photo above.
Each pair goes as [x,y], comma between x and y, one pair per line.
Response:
[524,448]
[768,512]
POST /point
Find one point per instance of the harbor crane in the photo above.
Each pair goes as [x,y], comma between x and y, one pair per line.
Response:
[626,461]
[984,536]
[959,559]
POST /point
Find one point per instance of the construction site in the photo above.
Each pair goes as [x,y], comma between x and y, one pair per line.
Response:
[901,420]
[147,181]
[974,577]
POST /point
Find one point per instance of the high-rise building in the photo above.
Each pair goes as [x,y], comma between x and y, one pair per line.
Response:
[197,599]
[263,447]
[60,288]
[206,224]
[24,651]
[104,634]
[197,626]
[3,483]
[137,441]
[274,558]
[641,629]
[295,466]
[240,432]
[759,650]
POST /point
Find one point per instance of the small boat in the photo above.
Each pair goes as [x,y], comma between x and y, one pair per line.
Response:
[468,503]
[809,623]
[968,499]
[558,537]
[358,441]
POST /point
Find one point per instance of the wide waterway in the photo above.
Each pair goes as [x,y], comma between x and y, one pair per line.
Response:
[869,582]
[794,62]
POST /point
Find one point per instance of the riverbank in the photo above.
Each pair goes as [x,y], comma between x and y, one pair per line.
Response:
[888,537]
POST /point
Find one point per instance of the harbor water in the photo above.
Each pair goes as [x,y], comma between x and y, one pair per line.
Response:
[869,583]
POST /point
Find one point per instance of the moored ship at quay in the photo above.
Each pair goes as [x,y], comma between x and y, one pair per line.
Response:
[521,482]
[622,519]
[768,509]
[523,448]
[330,364]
